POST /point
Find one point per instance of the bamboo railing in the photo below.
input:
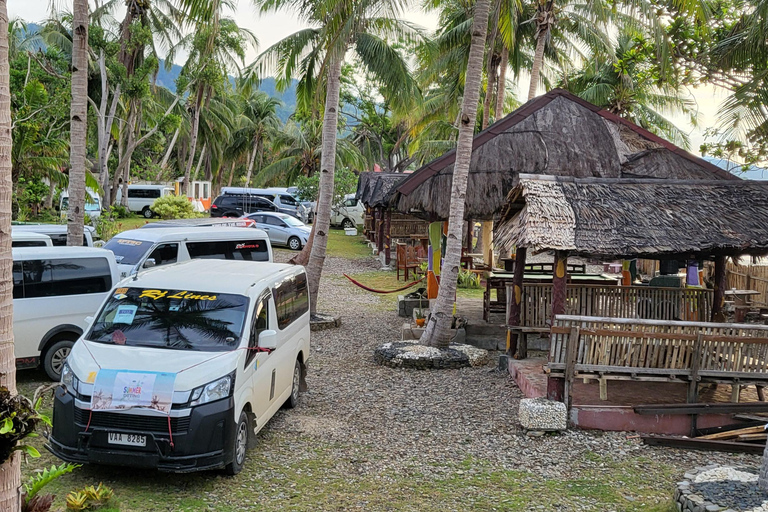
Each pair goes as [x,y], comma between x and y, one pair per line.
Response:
[643,302]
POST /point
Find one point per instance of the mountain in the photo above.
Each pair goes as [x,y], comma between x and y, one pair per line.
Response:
[167,79]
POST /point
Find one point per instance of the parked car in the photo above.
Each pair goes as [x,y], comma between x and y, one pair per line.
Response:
[282,229]
[54,290]
[238,205]
[29,239]
[284,201]
[140,249]
[92,203]
[57,232]
[349,213]
[141,197]
[309,206]
[183,366]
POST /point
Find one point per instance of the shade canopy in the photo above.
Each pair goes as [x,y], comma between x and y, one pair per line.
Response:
[555,134]
[373,188]
[652,218]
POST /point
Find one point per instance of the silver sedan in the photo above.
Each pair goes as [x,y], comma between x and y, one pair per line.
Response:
[282,229]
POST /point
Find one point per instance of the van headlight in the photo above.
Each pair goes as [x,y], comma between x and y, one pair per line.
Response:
[69,379]
[216,390]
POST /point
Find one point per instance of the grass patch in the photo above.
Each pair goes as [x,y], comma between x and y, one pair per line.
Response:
[344,246]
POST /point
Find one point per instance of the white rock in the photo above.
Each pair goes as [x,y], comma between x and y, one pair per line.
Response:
[542,414]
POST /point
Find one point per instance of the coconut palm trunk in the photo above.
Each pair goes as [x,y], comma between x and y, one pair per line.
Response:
[327,169]
[193,139]
[437,332]
[544,19]
[10,471]
[501,86]
[78,123]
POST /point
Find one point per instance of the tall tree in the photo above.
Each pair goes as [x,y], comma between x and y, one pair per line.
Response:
[10,471]
[317,54]
[437,332]
[78,123]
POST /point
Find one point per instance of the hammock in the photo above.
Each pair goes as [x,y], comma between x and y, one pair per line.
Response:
[361,285]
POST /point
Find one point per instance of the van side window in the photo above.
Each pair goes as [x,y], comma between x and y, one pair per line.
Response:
[28,243]
[249,250]
[18,281]
[291,300]
[50,278]
[259,323]
[165,254]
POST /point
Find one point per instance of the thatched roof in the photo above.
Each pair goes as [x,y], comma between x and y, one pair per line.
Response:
[555,134]
[373,188]
[636,217]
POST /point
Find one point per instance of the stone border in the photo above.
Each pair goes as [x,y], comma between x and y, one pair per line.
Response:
[716,488]
[409,354]
[321,322]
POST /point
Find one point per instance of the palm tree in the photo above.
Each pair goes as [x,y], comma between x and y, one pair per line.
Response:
[437,330]
[10,472]
[626,85]
[317,54]
[78,123]
[259,112]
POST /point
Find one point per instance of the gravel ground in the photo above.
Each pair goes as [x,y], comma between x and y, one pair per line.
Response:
[374,438]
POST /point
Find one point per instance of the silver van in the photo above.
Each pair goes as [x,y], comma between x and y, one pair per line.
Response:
[285,202]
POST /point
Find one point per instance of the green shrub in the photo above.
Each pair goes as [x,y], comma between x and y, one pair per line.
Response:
[174,207]
[468,279]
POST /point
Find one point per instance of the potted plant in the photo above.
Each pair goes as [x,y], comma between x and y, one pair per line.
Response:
[419,314]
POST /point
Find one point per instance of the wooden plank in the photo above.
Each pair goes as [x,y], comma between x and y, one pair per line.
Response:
[753,437]
[600,368]
[693,387]
[732,426]
[702,444]
[733,433]
[571,355]
[702,408]
[641,321]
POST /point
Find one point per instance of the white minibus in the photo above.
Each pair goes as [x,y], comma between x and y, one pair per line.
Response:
[54,290]
[139,249]
[183,365]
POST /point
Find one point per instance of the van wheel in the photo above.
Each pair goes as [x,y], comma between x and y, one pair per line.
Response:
[294,243]
[54,358]
[239,447]
[293,400]
[346,223]
[147,213]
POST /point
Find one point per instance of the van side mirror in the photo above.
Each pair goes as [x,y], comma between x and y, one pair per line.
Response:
[268,339]
[149,263]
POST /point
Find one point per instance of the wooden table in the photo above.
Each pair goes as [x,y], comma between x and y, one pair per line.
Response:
[740,302]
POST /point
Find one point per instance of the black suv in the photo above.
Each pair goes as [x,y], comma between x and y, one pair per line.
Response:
[237,205]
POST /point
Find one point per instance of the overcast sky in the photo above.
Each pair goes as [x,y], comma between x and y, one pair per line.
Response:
[270,29]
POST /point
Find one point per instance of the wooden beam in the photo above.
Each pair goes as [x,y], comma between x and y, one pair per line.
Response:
[703,444]
[759,429]
[380,230]
[702,408]
[388,237]
[571,354]
[559,280]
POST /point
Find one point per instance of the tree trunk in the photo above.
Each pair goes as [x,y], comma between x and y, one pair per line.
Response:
[438,328]
[327,168]
[251,160]
[515,304]
[78,123]
[199,164]
[10,471]
[124,167]
[501,84]
[721,284]
[192,140]
[168,153]
[538,57]
[51,193]
[491,73]
[231,175]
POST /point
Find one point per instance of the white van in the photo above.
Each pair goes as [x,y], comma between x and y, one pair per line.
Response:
[92,204]
[56,232]
[141,197]
[54,290]
[349,213]
[29,239]
[183,365]
[285,202]
[140,249]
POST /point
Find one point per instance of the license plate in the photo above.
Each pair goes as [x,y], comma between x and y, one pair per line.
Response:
[127,439]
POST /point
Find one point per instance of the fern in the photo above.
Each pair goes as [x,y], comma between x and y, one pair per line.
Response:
[46,476]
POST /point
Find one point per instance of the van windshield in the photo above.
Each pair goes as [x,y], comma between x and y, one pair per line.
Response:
[128,252]
[177,319]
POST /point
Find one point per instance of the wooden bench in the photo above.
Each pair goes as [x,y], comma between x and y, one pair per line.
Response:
[658,350]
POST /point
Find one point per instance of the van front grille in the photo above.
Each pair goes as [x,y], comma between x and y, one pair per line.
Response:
[131,421]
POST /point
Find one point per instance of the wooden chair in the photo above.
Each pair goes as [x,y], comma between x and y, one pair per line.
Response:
[406,260]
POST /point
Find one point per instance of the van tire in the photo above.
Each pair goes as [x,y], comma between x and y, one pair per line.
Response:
[147,213]
[239,446]
[294,243]
[53,360]
[346,223]
[293,399]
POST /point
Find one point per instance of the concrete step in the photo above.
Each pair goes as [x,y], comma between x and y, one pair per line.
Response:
[487,342]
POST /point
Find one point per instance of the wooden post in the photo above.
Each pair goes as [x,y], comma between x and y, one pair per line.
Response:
[571,356]
[515,307]
[488,244]
[388,237]
[470,223]
[693,386]
[380,231]
[720,285]
[559,280]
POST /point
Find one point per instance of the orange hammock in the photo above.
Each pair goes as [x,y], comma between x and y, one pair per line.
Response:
[361,285]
